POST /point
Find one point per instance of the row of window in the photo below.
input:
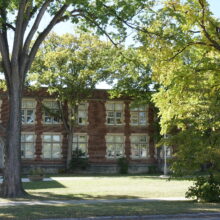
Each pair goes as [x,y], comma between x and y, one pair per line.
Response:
[51,145]
[114,113]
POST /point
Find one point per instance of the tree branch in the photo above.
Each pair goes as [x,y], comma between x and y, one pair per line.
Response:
[10,26]
[43,35]
[132,26]
[27,15]
[35,26]
[74,13]
[185,47]
[208,37]
[19,33]
[202,25]
[65,121]
[91,20]
[4,48]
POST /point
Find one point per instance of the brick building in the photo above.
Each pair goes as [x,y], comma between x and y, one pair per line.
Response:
[106,130]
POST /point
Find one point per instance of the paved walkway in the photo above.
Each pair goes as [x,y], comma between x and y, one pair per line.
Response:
[24,180]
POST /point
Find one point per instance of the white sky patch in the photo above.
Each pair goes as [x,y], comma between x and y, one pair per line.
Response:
[103,85]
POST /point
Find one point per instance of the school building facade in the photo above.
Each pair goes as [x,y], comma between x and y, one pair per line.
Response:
[106,130]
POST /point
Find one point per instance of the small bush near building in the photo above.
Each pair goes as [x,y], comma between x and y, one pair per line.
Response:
[153,169]
[79,160]
[123,165]
[205,189]
[36,174]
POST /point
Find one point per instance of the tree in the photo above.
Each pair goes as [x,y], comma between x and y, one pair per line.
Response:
[181,40]
[70,67]
[130,76]
[22,18]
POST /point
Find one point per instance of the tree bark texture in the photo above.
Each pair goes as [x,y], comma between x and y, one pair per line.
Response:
[69,149]
[12,186]
[16,63]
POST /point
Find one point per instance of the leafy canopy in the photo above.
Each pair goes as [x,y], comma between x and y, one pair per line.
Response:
[182,43]
[69,65]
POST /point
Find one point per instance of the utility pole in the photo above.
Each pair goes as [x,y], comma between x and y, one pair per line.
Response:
[165,170]
[165,161]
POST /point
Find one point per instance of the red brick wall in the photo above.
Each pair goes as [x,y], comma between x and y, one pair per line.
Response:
[96,129]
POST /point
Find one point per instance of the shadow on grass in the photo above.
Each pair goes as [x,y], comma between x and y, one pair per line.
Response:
[42,185]
[99,175]
[82,196]
[160,177]
[101,209]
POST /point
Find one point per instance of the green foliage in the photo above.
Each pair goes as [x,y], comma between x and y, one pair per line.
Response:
[194,149]
[182,45]
[130,76]
[71,62]
[123,164]
[70,66]
[181,42]
[78,161]
[37,171]
[205,189]
[152,169]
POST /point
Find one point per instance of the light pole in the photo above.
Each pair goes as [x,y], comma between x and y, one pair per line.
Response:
[165,161]
[165,171]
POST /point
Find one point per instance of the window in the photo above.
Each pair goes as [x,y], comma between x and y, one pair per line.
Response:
[169,152]
[139,146]
[114,113]
[115,146]
[28,111]
[51,112]
[139,115]
[82,113]
[80,143]
[51,146]
[27,146]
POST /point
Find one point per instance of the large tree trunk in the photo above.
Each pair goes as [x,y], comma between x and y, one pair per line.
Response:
[69,148]
[2,144]
[12,186]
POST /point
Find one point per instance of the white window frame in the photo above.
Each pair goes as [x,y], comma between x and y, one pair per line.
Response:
[52,121]
[77,142]
[169,152]
[139,146]
[23,145]
[114,142]
[25,108]
[85,110]
[138,110]
[115,112]
[52,144]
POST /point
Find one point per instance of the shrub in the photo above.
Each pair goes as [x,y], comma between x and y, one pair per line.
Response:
[205,189]
[123,165]
[152,169]
[79,160]
[37,171]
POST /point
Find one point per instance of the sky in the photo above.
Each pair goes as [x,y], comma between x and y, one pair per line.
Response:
[67,27]
[215,7]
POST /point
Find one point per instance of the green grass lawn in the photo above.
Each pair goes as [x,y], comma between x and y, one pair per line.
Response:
[119,209]
[106,187]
